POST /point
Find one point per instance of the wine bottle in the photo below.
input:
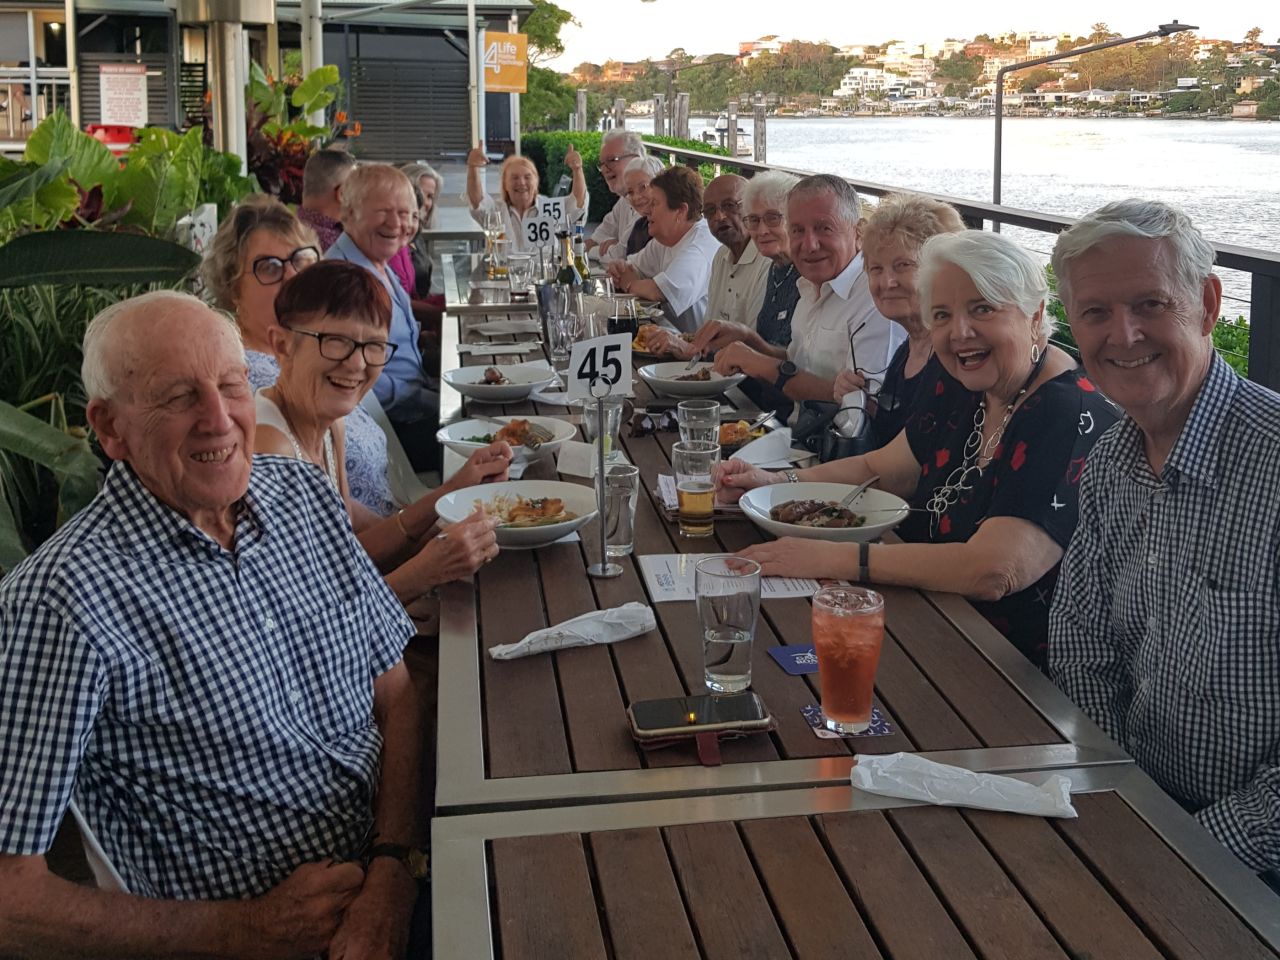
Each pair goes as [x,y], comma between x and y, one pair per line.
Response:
[568,273]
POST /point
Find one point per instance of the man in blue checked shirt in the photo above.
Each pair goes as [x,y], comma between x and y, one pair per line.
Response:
[208,664]
[1165,626]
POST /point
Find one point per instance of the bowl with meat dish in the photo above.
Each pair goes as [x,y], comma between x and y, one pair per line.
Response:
[531,513]
[465,437]
[505,384]
[675,379]
[812,511]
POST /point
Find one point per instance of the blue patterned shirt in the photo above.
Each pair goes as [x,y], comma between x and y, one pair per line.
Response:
[366,458]
[1165,628]
[209,710]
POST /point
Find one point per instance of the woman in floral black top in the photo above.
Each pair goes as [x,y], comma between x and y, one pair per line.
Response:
[993,467]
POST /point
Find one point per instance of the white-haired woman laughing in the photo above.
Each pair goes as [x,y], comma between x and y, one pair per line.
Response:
[992,471]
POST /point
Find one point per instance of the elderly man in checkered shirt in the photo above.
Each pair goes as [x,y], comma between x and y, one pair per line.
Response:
[1165,626]
[207,663]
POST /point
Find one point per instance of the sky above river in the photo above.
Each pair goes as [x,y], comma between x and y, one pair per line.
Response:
[634,30]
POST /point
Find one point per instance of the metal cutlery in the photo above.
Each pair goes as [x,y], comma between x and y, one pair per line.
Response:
[538,434]
[857,491]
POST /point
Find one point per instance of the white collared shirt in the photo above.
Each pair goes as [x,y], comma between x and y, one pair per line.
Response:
[681,273]
[825,318]
[616,226]
[736,290]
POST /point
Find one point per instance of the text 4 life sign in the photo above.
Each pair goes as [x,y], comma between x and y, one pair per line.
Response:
[505,62]
[123,89]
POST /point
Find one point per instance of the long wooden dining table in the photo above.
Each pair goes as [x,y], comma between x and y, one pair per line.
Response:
[556,835]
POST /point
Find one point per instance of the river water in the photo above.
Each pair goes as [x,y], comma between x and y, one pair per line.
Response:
[1225,174]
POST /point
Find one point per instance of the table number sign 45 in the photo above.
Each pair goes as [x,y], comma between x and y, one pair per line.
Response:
[604,359]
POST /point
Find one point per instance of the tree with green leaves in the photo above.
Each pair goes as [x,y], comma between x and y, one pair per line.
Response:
[548,99]
[1252,36]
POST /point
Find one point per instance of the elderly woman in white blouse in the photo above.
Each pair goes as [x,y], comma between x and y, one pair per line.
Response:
[520,203]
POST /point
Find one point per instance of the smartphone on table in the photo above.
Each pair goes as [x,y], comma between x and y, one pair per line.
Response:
[688,716]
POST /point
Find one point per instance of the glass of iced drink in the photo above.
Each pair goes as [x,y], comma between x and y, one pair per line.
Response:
[848,631]
[727,590]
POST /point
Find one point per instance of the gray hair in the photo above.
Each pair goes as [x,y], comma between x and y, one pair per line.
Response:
[1193,255]
[631,141]
[651,166]
[769,188]
[415,172]
[1005,273]
[97,370]
[848,206]
[325,170]
[364,180]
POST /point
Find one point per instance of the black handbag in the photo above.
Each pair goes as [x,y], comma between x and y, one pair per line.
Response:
[815,431]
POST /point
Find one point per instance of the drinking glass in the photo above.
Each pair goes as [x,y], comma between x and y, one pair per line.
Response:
[519,274]
[564,322]
[491,222]
[848,632]
[499,265]
[623,317]
[613,424]
[694,462]
[622,487]
[699,420]
[727,591]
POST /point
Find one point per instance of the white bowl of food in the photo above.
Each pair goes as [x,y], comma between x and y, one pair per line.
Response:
[465,437]
[809,510]
[531,513]
[499,383]
[675,379]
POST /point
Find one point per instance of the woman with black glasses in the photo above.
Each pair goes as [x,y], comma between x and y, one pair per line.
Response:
[331,340]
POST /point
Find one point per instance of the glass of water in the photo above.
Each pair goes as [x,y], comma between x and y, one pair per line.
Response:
[727,590]
[520,274]
[612,424]
[699,420]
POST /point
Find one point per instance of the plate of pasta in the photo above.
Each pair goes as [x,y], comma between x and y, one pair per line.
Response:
[530,513]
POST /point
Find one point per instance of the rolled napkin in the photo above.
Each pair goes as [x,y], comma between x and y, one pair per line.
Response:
[771,450]
[912,777]
[599,626]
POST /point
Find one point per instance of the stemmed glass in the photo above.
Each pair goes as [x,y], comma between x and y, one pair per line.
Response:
[493,229]
[564,324]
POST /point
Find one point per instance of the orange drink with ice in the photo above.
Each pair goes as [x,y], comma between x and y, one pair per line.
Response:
[848,631]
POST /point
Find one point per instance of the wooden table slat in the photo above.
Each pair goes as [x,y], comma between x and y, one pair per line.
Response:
[1175,907]
[810,898]
[545,903]
[731,915]
[1083,916]
[887,883]
[977,891]
[642,906]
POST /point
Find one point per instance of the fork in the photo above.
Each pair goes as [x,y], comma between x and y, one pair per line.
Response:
[858,491]
[538,434]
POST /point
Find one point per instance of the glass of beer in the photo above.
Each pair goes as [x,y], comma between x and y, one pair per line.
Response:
[848,632]
[694,461]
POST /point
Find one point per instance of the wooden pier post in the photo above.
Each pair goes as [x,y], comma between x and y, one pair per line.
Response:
[619,113]
[580,111]
[731,130]
[758,134]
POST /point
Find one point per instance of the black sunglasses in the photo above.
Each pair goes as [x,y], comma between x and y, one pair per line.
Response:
[644,424]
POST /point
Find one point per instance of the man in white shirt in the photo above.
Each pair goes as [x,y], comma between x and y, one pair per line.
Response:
[617,149]
[674,266]
[835,309]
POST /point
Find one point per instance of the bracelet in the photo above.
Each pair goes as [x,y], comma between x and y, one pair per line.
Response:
[791,475]
[399,516]
[864,557]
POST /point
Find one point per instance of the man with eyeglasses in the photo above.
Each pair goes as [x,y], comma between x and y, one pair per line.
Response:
[617,149]
[207,663]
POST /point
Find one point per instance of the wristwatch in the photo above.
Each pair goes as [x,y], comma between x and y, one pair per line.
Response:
[415,861]
[786,370]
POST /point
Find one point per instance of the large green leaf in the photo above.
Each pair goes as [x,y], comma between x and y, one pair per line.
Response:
[21,180]
[12,551]
[88,161]
[93,258]
[163,186]
[314,85]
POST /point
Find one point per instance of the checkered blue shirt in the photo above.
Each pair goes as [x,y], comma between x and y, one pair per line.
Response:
[1165,628]
[210,711]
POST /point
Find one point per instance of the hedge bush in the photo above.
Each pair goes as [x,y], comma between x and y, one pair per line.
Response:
[547,150]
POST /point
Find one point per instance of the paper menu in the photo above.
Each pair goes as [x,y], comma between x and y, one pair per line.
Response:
[669,577]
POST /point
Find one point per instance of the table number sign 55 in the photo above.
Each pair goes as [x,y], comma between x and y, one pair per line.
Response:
[600,361]
[541,230]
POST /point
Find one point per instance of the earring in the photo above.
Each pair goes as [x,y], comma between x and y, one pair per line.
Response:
[1035,353]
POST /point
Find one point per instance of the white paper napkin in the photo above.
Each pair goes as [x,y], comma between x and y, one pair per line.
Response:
[578,459]
[912,777]
[600,626]
[500,349]
[772,450]
[555,398]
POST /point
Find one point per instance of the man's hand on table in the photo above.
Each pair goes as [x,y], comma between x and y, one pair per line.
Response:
[794,557]
[667,343]
[623,274]
[299,917]
[715,335]
[376,924]
[739,358]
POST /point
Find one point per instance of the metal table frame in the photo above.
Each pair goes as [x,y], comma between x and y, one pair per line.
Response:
[462,786]
[461,882]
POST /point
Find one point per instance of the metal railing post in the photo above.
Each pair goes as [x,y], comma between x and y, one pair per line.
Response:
[1264,330]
